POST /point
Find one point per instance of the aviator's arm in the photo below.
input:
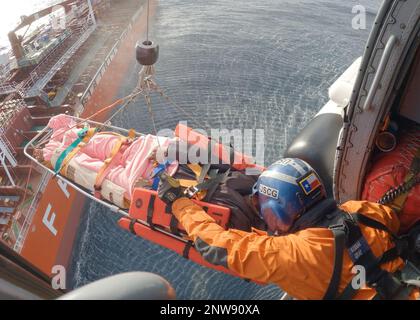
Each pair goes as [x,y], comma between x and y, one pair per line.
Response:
[254,256]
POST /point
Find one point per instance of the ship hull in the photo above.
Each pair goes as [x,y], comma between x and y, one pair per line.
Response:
[49,232]
[50,239]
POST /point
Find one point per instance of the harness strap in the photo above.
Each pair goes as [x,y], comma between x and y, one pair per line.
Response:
[372,223]
[386,284]
[401,248]
[203,189]
[89,135]
[187,249]
[84,136]
[81,134]
[59,164]
[211,184]
[108,164]
[203,173]
[200,174]
[339,244]
[389,255]
[173,224]
[131,226]
[150,211]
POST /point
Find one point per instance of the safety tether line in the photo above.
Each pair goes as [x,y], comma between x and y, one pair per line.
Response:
[148,101]
[122,108]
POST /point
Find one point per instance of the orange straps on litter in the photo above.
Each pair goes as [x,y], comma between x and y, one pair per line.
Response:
[90,133]
[187,183]
[104,170]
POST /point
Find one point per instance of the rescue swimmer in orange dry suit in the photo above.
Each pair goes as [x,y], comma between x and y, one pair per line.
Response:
[311,245]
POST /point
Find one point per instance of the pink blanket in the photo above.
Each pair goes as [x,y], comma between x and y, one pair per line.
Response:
[136,162]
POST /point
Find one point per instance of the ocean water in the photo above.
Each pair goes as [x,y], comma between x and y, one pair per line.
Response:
[263,64]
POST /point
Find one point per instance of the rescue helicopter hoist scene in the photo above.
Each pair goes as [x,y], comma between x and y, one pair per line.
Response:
[210,150]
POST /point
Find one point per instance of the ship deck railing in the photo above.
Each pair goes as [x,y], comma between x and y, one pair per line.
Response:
[46,176]
[8,110]
[38,80]
[7,88]
[5,140]
[7,157]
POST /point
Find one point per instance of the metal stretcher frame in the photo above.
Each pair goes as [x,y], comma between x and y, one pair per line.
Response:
[44,132]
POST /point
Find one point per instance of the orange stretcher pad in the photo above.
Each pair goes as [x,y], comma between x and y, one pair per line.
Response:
[226,154]
[147,207]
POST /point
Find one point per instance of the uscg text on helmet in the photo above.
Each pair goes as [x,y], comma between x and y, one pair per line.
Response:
[269,192]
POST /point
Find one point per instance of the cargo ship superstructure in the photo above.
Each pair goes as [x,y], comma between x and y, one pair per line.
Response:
[60,61]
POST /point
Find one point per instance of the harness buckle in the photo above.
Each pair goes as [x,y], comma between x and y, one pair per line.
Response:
[341,226]
[191,192]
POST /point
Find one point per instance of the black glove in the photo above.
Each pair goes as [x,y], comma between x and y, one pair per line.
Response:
[169,189]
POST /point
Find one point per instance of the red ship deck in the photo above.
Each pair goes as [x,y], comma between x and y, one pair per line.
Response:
[50,214]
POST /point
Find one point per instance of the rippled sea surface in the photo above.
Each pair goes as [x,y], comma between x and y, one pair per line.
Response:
[263,64]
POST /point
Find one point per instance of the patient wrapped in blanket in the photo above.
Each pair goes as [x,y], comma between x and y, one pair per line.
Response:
[132,164]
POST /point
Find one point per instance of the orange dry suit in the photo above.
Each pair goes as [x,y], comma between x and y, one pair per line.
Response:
[306,263]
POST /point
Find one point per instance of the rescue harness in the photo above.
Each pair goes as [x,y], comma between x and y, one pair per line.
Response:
[202,187]
[348,237]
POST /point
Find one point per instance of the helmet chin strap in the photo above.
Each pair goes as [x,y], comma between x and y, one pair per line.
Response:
[253,202]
